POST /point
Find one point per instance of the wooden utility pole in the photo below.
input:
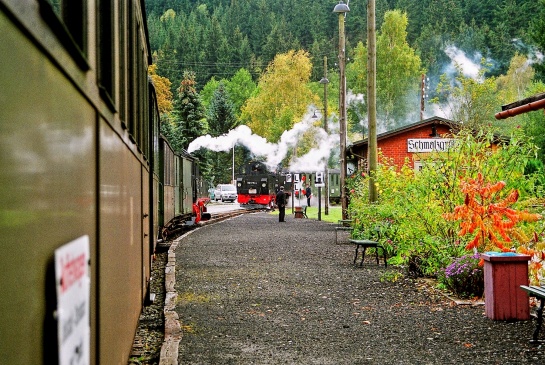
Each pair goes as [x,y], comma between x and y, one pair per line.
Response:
[342,9]
[325,81]
[372,154]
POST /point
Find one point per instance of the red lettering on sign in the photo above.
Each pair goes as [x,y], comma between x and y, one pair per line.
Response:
[72,270]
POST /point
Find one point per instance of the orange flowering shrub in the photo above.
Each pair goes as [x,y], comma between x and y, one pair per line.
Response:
[491,221]
[535,249]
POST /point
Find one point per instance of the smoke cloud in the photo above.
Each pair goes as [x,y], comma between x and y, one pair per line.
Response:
[274,153]
[532,53]
[469,67]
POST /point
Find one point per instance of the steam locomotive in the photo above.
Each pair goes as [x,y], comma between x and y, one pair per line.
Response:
[82,163]
[257,186]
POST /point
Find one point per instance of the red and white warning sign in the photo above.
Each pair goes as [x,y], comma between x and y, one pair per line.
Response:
[73,285]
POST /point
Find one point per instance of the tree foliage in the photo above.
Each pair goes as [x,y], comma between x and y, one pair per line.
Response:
[282,96]
[186,31]
[467,100]
[189,116]
[221,115]
[513,85]
[537,34]
[399,69]
[240,88]
[398,72]
[533,122]
[162,89]
[488,216]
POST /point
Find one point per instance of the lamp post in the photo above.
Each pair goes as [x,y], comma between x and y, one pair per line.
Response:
[341,8]
[233,167]
[324,81]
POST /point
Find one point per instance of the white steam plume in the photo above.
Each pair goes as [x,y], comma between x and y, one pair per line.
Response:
[470,68]
[273,153]
[533,54]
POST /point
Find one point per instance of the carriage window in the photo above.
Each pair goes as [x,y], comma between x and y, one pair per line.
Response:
[106,51]
[122,71]
[67,19]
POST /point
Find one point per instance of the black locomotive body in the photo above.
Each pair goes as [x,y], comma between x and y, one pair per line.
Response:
[257,186]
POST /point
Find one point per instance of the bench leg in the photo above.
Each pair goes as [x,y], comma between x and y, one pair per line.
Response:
[364,248]
[356,255]
[539,322]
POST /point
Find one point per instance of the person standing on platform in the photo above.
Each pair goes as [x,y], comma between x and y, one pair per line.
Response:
[281,203]
[308,194]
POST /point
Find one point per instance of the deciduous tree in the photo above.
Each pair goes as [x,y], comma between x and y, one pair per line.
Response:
[162,89]
[240,88]
[398,71]
[469,101]
[282,96]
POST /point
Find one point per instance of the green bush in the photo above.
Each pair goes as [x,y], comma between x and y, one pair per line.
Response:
[409,213]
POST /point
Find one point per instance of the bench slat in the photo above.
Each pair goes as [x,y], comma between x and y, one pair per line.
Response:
[363,242]
[539,293]
[534,290]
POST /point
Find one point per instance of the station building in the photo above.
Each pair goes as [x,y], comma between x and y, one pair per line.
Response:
[413,141]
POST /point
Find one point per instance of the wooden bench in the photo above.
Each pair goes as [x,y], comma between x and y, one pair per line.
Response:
[364,244]
[343,225]
[340,229]
[539,293]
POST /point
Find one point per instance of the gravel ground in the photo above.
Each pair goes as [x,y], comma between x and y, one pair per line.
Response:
[251,290]
[150,333]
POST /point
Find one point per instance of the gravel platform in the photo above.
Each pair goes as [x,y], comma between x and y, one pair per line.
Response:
[251,290]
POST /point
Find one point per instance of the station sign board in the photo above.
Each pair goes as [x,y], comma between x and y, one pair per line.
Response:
[430,144]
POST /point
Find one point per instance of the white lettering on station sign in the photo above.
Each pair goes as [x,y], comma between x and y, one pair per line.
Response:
[73,285]
[429,144]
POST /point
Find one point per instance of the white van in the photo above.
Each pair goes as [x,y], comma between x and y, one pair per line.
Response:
[225,192]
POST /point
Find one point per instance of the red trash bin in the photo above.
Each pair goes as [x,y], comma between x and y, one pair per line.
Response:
[504,273]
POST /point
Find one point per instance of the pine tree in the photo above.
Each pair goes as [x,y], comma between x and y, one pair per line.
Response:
[221,116]
[189,113]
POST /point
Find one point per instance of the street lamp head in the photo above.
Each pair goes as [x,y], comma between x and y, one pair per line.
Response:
[341,7]
[324,80]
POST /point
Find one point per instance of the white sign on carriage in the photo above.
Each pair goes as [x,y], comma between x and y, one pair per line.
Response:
[73,301]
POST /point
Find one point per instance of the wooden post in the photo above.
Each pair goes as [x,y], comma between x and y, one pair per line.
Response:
[372,154]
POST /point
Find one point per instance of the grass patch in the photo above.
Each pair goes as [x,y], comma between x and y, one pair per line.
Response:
[189,297]
[334,213]
[333,216]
